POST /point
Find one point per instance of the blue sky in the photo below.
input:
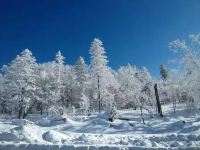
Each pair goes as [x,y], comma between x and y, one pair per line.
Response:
[133,31]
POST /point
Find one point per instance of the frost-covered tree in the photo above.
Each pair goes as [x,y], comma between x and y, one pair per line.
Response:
[71,97]
[188,62]
[83,84]
[20,78]
[164,84]
[130,86]
[147,91]
[163,72]
[59,72]
[102,77]
[55,87]
[4,106]
[59,68]
[47,81]
[82,74]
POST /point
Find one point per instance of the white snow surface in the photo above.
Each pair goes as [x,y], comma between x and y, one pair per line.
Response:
[173,131]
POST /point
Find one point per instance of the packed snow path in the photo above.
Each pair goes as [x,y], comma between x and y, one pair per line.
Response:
[181,130]
[82,147]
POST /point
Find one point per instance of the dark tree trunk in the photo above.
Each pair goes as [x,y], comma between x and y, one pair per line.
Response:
[21,109]
[29,110]
[174,105]
[21,105]
[41,108]
[20,113]
[141,113]
[158,101]
[99,96]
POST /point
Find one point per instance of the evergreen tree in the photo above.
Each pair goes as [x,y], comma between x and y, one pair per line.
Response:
[83,81]
[102,77]
[163,72]
[82,74]
[59,83]
[21,78]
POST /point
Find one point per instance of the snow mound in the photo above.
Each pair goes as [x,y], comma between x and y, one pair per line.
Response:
[54,137]
[27,132]
[6,136]
[52,121]
[44,122]
[96,132]
[121,126]
[21,122]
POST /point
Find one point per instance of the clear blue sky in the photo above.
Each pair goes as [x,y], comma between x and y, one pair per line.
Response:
[133,31]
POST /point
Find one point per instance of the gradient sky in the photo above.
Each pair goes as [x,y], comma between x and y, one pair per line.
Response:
[133,31]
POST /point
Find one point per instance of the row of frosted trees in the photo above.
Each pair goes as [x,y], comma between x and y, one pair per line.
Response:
[55,87]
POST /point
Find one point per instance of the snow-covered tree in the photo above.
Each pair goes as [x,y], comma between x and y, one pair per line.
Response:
[46,82]
[71,97]
[102,77]
[20,78]
[60,68]
[59,72]
[4,107]
[83,82]
[130,86]
[163,72]
[54,87]
[188,62]
[147,92]
[82,74]
[164,84]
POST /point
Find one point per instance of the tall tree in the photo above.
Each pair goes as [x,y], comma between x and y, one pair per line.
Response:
[101,74]
[46,82]
[158,101]
[188,53]
[21,78]
[83,81]
[59,74]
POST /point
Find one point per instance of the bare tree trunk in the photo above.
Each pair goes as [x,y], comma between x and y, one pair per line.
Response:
[41,108]
[158,101]
[20,113]
[174,105]
[141,113]
[113,113]
[20,107]
[99,96]
[90,105]
[29,110]
[3,106]
[134,107]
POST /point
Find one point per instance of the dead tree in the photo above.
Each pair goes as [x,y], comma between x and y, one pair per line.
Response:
[158,101]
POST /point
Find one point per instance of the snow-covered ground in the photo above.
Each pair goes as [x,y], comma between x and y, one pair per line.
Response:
[181,130]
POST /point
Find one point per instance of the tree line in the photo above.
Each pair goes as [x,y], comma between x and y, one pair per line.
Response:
[56,87]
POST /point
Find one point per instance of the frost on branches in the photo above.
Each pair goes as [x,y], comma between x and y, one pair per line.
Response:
[56,87]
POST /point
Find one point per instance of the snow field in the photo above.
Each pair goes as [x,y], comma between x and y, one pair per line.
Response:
[95,132]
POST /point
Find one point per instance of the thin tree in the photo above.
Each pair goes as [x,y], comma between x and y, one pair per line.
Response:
[158,101]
